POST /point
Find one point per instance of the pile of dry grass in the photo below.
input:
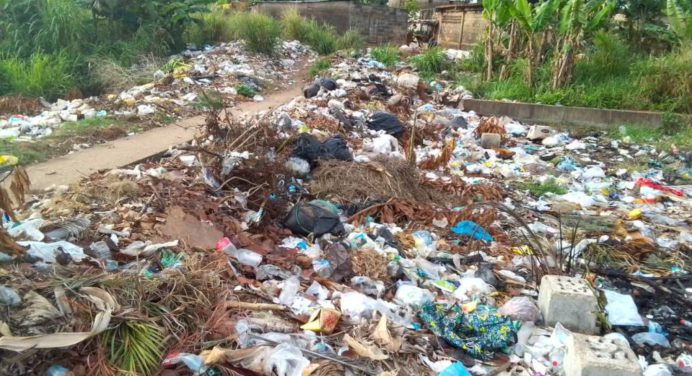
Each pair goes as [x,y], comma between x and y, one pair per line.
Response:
[491,125]
[369,263]
[381,179]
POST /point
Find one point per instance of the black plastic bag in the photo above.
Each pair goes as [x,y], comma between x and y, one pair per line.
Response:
[383,121]
[311,90]
[309,148]
[313,218]
[328,84]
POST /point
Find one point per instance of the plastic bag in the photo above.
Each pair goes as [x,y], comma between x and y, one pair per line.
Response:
[621,309]
[470,287]
[357,306]
[521,308]
[471,229]
[413,296]
[289,291]
[651,339]
[311,90]
[328,84]
[307,147]
[383,121]
[9,297]
[368,286]
[313,218]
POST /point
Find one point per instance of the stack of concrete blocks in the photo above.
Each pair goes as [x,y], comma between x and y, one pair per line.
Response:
[571,302]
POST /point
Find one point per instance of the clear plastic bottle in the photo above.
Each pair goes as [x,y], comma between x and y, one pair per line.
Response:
[244,256]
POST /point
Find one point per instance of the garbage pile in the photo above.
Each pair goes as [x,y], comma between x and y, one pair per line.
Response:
[368,227]
[175,89]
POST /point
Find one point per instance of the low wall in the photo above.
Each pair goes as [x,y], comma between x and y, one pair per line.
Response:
[377,24]
[560,115]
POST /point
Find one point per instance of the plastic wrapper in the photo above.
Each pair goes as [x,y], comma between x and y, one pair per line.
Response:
[521,308]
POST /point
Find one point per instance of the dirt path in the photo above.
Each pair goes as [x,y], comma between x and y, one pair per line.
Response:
[71,168]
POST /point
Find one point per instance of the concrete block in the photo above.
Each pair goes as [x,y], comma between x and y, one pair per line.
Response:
[490,140]
[599,356]
[569,301]
[538,132]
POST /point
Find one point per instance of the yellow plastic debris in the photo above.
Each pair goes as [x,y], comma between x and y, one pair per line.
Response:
[8,160]
[634,214]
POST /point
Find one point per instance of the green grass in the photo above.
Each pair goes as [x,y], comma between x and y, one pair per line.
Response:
[42,75]
[60,142]
[319,66]
[430,62]
[662,138]
[609,75]
[245,90]
[387,55]
[215,26]
[540,189]
[262,34]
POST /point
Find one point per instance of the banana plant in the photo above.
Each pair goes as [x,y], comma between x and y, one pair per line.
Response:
[578,20]
[533,20]
[497,12]
[680,22]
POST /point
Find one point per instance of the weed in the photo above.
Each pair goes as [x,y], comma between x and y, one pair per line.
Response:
[351,40]
[539,189]
[27,153]
[319,66]
[387,55]
[135,347]
[430,62]
[662,138]
[245,90]
[40,75]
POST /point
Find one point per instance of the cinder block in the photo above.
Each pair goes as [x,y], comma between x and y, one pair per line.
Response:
[599,356]
[490,140]
[538,132]
[570,302]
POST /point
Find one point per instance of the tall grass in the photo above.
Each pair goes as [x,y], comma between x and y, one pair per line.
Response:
[261,33]
[387,55]
[319,66]
[48,76]
[430,62]
[215,26]
[320,37]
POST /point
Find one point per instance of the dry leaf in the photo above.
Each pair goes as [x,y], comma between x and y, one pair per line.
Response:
[364,350]
[38,310]
[382,336]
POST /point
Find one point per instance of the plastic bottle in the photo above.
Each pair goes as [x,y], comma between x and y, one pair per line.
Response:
[244,256]
[557,358]
[323,268]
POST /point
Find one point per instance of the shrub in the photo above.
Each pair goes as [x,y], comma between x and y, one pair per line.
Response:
[245,90]
[43,75]
[294,26]
[609,56]
[387,55]
[113,77]
[430,62]
[261,33]
[667,81]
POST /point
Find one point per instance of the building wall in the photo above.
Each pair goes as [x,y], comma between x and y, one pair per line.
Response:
[377,24]
[460,28]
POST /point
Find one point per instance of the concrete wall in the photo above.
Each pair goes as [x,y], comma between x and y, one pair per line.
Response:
[560,115]
[460,28]
[377,24]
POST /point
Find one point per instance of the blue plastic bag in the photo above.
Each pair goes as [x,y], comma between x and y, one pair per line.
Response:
[472,229]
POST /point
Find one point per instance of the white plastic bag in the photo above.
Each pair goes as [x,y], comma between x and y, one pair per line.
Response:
[412,296]
[621,309]
[285,360]
[521,308]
